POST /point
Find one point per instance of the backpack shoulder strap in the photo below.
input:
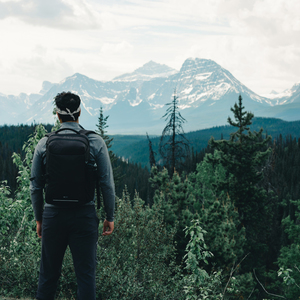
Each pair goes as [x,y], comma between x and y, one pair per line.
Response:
[87,132]
[49,134]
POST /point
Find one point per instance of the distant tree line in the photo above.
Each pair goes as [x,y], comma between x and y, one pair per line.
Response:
[12,138]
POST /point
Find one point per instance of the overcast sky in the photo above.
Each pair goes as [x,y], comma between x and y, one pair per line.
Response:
[258,41]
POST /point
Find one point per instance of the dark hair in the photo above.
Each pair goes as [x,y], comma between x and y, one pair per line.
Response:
[67,100]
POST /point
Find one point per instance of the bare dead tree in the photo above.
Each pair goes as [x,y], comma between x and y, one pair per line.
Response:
[173,146]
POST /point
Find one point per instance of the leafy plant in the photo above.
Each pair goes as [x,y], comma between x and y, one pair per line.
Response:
[198,284]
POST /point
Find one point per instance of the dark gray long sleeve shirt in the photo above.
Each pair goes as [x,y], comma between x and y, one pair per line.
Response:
[98,152]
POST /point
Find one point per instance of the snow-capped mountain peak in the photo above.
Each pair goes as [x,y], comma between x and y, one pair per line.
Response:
[148,71]
[200,80]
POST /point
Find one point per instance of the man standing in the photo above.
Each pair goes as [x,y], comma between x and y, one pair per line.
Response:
[69,217]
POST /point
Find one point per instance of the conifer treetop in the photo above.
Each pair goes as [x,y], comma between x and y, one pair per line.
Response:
[101,128]
[243,119]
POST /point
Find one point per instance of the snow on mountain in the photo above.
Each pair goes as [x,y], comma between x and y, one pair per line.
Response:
[12,107]
[148,71]
[201,80]
[285,97]
[93,94]
[289,96]
[135,102]
[273,94]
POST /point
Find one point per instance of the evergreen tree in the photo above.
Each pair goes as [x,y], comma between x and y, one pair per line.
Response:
[243,157]
[151,153]
[217,214]
[177,202]
[289,259]
[101,130]
[173,146]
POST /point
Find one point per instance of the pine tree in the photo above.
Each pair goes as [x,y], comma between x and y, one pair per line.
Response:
[152,161]
[173,146]
[177,203]
[289,259]
[101,130]
[243,157]
[218,215]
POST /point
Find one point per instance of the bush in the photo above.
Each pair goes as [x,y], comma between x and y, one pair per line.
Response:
[138,260]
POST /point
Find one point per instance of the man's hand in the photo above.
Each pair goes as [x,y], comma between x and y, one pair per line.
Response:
[108,227]
[39,228]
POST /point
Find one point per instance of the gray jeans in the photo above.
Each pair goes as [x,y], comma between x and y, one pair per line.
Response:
[78,229]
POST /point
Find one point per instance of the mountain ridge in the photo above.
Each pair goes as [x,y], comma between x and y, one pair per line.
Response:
[136,101]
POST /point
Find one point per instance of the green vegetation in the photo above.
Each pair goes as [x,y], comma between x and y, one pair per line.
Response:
[12,139]
[224,227]
[135,147]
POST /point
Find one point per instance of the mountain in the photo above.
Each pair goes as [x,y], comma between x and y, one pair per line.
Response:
[13,107]
[286,97]
[287,105]
[205,91]
[135,102]
[147,72]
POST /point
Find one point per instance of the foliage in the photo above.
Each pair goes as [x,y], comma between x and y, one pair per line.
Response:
[218,215]
[101,130]
[151,153]
[20,247]
[243,199]
[198,284]
[135,148]
[135,179]
[244,156]
[137,260]
[177,203]
[289,259]
[11,140]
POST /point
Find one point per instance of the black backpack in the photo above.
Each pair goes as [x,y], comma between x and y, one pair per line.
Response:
[70,175]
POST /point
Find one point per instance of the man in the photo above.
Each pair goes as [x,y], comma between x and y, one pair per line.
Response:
[60,226]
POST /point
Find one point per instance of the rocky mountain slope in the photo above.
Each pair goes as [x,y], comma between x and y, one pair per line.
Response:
[135,102]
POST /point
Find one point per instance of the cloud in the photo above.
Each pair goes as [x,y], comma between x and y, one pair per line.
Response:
[274,22]
[256,40]
[27,75]
[113,48]
[64,14]
[42,67]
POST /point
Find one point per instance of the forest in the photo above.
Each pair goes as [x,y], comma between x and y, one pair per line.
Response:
[218,222]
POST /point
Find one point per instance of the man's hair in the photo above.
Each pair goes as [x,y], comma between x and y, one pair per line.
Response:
[67,101]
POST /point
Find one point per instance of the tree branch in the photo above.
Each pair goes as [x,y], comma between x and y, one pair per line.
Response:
[231,273]
[265,289]
[20,229]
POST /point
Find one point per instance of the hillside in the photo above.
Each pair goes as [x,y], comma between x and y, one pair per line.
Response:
[138,151]
[135,147]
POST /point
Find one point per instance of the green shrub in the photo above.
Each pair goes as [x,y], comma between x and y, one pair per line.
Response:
[138,260]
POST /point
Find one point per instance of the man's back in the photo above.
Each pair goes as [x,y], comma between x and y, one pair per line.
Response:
[60,226]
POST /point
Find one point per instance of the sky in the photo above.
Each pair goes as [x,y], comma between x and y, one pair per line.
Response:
[258,41]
